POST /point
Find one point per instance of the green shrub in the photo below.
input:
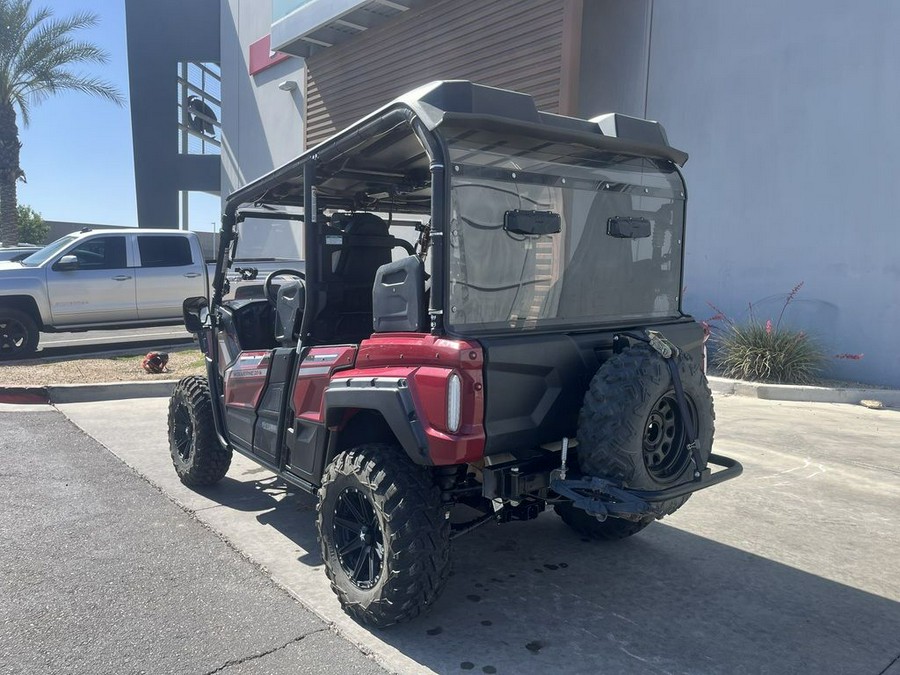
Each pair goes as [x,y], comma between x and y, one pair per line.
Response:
[766,352]
[760,353]
[32,228]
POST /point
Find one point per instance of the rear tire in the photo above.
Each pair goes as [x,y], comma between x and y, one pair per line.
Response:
[385,541]
[197,455]
[611,529]
[18,334]
[631,428]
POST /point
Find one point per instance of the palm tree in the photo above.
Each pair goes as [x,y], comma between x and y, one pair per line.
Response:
[36,56]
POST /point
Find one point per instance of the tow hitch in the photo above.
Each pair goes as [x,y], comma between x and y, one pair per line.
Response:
[602,497]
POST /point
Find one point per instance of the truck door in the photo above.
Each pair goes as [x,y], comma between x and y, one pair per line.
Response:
[100,290]
[166,274]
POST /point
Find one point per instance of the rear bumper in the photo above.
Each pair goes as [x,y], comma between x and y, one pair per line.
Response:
[601,497]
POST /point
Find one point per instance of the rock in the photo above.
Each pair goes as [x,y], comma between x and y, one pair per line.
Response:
[872,403]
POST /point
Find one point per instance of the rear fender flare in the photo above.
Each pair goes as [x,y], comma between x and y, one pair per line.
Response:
[388,396]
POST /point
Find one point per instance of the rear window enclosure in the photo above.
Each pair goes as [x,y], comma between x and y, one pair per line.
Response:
[615,254]
[541,234]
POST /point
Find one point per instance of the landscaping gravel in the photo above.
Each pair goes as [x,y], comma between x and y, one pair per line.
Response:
[111,368]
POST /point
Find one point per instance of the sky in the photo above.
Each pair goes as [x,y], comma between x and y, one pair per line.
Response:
[77,152]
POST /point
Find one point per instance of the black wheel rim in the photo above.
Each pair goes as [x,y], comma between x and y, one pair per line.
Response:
[358,539]
[665,441]
[13,336]
[183,432]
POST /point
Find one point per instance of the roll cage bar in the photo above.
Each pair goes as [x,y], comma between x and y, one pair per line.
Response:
[420,113]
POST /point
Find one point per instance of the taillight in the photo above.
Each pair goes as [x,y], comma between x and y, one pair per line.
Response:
[454,393]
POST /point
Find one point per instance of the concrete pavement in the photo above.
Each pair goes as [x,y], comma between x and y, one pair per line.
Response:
[103,574]
[790,568]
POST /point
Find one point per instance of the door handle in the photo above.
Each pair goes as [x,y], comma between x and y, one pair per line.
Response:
[121,277]
[192,275]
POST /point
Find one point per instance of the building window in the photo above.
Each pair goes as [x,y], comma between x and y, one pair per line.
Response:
[199,108]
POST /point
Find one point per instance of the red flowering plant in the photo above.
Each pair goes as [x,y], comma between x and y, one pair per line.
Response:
[767,352]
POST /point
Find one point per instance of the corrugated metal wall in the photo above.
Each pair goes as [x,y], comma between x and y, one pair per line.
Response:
[514,44]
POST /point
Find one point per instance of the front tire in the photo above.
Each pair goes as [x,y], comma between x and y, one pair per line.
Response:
[197,455]
[632,429]
[18,334]
[385,541]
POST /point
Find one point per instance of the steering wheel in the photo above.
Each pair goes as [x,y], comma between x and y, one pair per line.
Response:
[267,284]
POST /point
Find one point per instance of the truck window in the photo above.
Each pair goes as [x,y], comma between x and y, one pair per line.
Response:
[101,253]
[164,251]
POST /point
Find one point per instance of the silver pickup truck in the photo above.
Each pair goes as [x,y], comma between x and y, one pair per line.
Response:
[98,279]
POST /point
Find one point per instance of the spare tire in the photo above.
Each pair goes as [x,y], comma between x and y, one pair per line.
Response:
[631,427]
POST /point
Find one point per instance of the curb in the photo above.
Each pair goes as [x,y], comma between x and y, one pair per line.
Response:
[85,393]
[24,395]
[803,393]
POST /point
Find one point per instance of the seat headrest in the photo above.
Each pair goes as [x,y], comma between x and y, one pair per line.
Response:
[366,224]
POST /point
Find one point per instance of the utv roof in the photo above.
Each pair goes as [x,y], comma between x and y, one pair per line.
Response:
[459,103]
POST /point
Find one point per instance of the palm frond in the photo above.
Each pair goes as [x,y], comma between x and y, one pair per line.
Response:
[48,67]
[24,106]
[14,17]
[64,81]
[38,51]
[53,42]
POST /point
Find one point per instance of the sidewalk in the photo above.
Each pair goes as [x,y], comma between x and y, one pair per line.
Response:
[82,393]
[795,392]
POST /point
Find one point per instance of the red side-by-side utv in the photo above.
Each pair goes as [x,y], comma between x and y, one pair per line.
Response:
[488,321]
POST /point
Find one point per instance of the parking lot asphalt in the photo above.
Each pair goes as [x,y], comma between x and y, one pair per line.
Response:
[103,574]
[55,345]
[791,568]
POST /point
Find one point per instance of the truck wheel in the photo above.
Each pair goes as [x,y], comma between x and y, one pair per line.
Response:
[631,428]
[611,529]
[198,456]
[384,538]
[18,334]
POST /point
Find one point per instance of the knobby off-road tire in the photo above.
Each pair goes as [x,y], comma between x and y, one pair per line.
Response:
[18,334]
[631,428]
[384,538]
[197,455]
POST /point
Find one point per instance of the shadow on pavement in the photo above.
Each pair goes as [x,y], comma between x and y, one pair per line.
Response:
[293,517]
[535,597]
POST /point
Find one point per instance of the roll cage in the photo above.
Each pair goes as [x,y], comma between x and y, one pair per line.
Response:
[396,161]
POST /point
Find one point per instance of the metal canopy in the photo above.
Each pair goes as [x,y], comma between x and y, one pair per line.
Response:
[318,25]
